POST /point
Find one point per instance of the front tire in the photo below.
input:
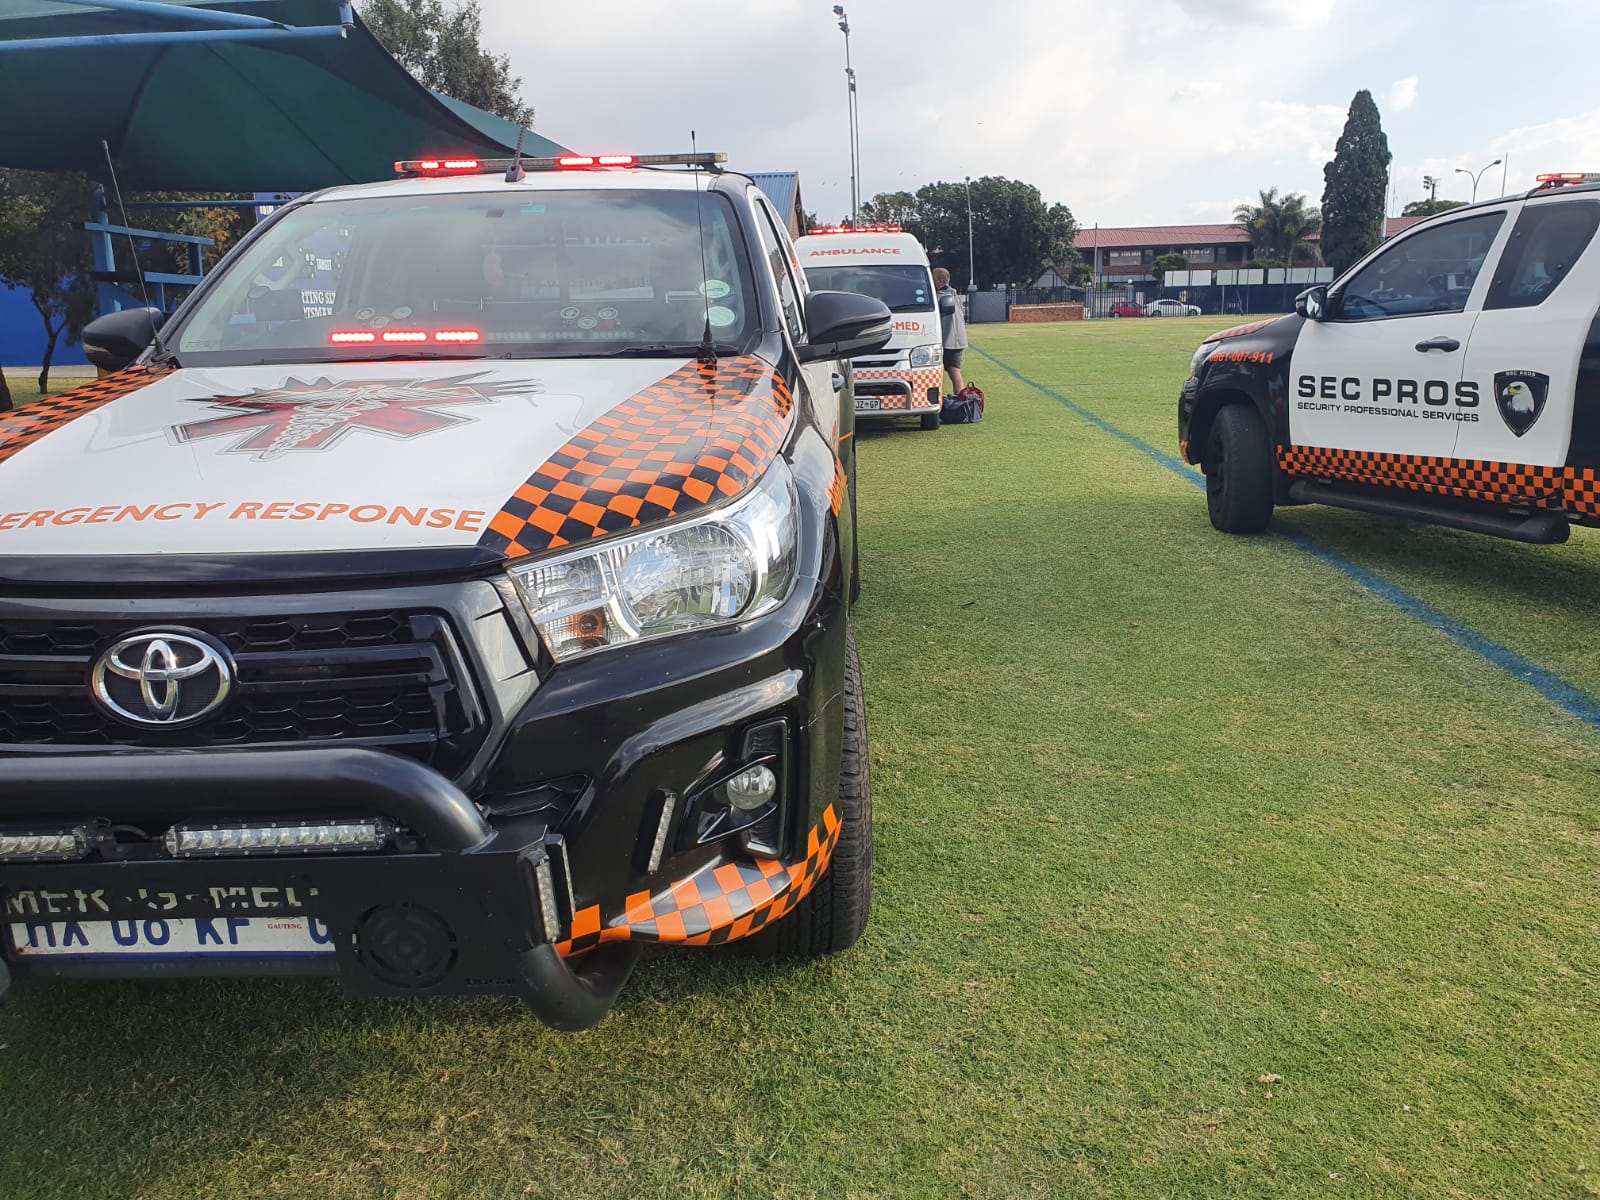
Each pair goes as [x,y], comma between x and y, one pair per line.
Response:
[834,912]
[1238,467]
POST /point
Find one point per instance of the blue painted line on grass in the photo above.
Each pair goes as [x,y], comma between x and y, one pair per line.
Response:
[1549,685]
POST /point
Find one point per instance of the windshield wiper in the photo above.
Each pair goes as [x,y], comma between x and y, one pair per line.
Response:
[652,350]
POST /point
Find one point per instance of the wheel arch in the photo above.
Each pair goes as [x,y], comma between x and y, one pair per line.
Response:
[1206,407]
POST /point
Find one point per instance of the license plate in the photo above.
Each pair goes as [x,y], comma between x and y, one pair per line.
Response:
[868,404]
[172,937]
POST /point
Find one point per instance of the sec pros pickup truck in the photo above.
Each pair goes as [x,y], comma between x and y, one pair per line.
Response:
[1452,376]
[452,596]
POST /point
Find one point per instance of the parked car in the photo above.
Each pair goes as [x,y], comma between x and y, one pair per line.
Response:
[452,613]
[1171,308]
[1451,376]
[1126,308]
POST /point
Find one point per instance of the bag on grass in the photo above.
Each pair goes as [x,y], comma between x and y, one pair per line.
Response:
[964,408]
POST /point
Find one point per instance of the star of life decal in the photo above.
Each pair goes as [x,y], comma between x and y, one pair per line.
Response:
[269,423]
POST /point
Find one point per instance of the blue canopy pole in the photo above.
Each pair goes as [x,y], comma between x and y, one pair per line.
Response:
[294,33]
[183,14]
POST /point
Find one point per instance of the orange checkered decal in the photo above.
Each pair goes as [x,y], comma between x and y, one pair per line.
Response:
[840,485]
[1573,489]
[920,381]
[718,904]
[25,426]
[700,434]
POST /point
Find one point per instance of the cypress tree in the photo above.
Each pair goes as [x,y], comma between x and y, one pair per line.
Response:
[1356,186]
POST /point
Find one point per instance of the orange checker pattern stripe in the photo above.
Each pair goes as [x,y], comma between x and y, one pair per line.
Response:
[25,426]
[839,487]
[1574,489]
[1241,330]
[921,380]
[702,434]
[721,903]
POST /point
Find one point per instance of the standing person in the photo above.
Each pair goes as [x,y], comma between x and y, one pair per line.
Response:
[955,327]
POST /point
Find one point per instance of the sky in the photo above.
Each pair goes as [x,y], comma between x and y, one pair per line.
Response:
[1130,112]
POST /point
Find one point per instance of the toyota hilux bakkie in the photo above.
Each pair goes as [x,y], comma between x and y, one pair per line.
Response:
[451,596]
[1451,376]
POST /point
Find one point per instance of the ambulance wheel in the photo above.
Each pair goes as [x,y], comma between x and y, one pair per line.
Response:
[834,911]
[930,420]
[1238,466]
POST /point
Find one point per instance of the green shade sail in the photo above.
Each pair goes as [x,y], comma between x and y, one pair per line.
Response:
[185,106]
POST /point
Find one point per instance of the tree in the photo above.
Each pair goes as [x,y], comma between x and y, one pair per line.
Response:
[1427,208]
[1167,262]
[1015,235]
[1356,184]
[1278,224]
[41,251]
[441,47]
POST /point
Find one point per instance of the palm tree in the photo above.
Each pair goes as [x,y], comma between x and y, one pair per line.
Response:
[1278,224]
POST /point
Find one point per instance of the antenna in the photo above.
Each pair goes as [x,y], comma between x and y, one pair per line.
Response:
[515,173]
[707,355]
[133,249]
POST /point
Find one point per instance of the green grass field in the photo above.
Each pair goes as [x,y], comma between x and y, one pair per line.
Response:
[1202,872]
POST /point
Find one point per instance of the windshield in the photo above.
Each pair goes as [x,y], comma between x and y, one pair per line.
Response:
[903,289]
[514,274]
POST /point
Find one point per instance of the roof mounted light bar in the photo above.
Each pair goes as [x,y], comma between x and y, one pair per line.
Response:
[854,229]
[565,162]
[1557,179]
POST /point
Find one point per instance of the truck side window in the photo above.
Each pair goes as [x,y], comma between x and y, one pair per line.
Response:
[778,256]
[1547,241]
[1429,272]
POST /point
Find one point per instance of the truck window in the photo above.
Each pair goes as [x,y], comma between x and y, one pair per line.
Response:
[1547,241]
[1430,272]
[778,256]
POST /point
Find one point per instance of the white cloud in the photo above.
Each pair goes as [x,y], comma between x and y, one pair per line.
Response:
[1403,93]
[1565,144]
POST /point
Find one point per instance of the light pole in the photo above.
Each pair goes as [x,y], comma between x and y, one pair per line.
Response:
[855,144]
[972,273]
[1473,175]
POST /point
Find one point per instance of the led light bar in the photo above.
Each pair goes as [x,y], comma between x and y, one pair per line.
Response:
[564,162]
[404,335]
[299,837]
[1559,178]
[57,845]
[855,229]
[458,336]
[345,337]
[366,337]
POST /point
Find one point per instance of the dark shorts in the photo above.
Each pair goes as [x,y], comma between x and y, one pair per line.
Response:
[952,358]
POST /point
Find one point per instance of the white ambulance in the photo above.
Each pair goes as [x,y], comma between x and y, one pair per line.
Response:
[906,378]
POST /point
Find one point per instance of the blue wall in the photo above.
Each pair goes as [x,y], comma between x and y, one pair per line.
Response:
[22,334]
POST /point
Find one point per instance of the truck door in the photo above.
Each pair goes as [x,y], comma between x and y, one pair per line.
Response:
[1524,354]
[1383,371]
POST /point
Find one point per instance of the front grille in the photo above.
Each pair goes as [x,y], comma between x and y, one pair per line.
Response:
[391,679]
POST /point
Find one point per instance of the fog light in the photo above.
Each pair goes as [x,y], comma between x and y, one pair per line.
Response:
[56,845]
[752,788]
[299,837]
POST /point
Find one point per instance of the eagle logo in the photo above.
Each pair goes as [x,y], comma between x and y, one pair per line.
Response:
[1520,396]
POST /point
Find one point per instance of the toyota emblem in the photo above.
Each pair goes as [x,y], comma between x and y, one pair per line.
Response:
[162,679]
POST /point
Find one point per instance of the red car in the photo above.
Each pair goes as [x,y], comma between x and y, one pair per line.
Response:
[1126,308]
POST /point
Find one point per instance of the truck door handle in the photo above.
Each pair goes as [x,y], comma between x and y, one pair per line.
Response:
[1446,344]
[838,382]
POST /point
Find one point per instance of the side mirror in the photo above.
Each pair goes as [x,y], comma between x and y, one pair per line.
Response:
[844,324]
[1312,304]
[113,341]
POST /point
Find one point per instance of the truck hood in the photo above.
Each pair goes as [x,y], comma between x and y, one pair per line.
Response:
[518,456]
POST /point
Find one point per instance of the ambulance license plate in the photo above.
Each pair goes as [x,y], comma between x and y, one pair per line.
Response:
[868,404]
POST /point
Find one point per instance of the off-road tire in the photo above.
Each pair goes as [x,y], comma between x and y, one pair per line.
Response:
[1238,466]
[834,912]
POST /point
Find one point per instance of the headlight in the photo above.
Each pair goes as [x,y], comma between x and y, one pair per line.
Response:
[1201,355]
[926,356]
[726,566]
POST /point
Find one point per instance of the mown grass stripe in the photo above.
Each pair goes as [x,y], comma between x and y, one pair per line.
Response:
[1552,687]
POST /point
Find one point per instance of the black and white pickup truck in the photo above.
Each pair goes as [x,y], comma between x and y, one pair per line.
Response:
[1452,376]
[452,596]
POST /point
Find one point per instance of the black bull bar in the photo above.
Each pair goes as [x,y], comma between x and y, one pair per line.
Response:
[462,915]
